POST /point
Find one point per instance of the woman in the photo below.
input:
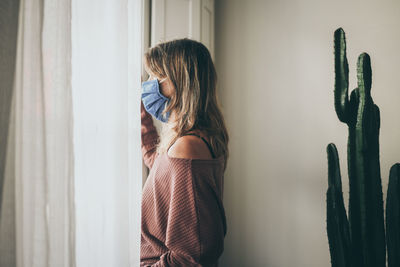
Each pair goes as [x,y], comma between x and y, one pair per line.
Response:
[183,218]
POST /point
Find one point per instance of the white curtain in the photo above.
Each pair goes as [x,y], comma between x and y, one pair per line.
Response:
[43,134]
[78,161]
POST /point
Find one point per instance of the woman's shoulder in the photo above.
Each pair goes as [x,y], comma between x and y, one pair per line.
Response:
[189,147]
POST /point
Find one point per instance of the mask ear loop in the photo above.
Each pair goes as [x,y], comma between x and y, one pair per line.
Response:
[159,82]
[163,80]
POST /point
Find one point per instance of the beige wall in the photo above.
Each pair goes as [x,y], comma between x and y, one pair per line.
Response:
[276,76]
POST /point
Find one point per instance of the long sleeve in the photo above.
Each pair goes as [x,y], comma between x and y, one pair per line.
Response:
[150,137]
[196,224]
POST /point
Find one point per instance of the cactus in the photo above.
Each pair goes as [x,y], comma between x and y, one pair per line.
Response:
[393,216]
[337,224]
[359,240]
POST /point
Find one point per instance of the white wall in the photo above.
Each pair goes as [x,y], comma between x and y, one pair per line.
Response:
[276,75]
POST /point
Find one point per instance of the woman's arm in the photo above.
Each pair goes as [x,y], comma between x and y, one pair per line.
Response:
[150,137]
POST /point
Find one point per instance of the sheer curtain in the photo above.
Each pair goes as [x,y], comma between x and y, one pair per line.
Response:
[77,161]
[43,134]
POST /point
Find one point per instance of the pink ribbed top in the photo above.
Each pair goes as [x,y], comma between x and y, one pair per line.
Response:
[183,218]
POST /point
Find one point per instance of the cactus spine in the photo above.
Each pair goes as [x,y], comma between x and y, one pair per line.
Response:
[359,240]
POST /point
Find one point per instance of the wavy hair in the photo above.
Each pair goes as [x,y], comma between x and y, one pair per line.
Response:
[188,65]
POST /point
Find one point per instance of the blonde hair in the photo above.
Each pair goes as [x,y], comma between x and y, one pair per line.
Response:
[188,65]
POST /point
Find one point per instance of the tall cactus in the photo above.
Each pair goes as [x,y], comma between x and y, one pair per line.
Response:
[337,224]
[393,216]
[359,241]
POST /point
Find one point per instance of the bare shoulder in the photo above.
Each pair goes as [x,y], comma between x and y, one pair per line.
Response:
[189,147]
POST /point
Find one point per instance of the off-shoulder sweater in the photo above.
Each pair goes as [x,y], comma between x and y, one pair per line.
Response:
[183,218]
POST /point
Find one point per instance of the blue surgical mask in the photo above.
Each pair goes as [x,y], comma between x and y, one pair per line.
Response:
[153,101]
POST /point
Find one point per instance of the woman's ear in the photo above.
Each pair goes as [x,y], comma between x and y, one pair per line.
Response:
[167,88]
